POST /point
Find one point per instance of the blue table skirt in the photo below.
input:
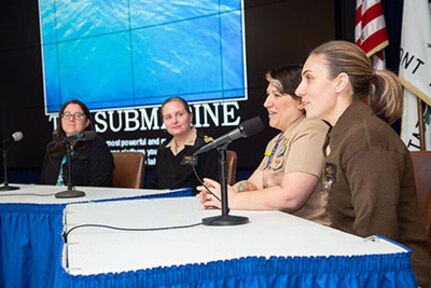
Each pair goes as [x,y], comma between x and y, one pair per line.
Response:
[31,243]
[31,249]
[358,271]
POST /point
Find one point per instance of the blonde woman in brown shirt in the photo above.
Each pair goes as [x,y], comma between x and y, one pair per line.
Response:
[369,173]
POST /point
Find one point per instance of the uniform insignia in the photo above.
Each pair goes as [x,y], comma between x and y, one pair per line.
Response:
[277,163]
[208,139]
[267,153]
[329,176]
[189,160]
[282,151]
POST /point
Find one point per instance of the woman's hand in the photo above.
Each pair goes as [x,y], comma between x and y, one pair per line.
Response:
[207,200]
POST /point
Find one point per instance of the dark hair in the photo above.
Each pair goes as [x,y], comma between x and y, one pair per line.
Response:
[59,148]
[286,79]
[172,99]
[383,87]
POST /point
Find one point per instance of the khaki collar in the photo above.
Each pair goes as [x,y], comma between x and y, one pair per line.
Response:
[293,126]
[190,141]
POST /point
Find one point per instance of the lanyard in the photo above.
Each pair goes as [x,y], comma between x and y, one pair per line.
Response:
[274,149]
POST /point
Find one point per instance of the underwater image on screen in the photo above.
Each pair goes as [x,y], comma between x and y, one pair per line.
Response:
[133,53]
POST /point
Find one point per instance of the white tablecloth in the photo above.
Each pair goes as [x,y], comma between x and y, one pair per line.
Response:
[45,194]
[270,233]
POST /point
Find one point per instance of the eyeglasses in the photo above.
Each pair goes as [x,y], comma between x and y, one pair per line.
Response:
[76,116]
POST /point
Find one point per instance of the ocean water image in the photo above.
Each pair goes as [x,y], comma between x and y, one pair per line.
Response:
[127,53]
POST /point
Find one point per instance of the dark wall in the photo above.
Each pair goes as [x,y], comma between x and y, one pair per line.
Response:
[394,18]
[277,33]
[345,19]
[21,83]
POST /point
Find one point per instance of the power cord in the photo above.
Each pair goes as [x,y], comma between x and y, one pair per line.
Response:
[66,234]
[202,182]
[28,194]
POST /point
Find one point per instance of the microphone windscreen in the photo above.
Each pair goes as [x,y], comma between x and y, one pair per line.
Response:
[252,126]
[17,136]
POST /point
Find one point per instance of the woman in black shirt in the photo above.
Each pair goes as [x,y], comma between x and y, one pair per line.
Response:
[171,171]
[91,161]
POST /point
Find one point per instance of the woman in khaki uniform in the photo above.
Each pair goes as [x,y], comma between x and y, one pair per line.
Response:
[288,177]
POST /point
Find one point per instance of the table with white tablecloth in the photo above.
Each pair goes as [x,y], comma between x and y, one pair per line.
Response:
[274,249]
[31,225]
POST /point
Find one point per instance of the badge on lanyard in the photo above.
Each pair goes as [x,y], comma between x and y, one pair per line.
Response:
[282,150]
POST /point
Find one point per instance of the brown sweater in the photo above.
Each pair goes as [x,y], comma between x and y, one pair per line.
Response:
[374,191]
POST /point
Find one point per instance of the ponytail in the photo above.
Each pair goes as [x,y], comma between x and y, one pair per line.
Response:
[386,97]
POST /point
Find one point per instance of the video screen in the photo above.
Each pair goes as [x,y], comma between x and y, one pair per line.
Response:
[137,53]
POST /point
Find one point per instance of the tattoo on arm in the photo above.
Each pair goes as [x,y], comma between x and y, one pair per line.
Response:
[244,185]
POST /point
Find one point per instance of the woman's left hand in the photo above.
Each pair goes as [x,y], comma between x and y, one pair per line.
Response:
[207,200]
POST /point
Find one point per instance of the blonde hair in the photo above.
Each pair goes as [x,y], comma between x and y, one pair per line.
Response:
[383,87]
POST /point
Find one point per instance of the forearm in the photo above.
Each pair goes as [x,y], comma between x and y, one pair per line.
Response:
[273,198]
[254,182]
[290,195]
[244,185]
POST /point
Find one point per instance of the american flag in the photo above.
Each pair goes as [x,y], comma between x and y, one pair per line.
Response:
[370,30]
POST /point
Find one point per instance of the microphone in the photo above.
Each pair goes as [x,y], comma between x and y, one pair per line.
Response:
[84,136]
[71,192]
[246,129]
[15,137]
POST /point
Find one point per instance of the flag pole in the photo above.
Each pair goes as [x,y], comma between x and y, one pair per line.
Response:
[421,124]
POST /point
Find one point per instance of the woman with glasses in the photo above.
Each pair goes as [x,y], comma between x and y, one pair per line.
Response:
[173,169]
[92,163]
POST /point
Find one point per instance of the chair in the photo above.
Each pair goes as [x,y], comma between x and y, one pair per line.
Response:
[422,169]
[231,161]
[129,169]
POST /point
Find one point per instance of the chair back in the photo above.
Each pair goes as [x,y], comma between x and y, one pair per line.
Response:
[231,162]
[129,169]
[422,169]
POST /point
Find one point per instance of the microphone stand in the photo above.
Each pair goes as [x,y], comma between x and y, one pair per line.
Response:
[70,192]
[225,218]
[6,186]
